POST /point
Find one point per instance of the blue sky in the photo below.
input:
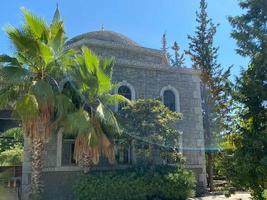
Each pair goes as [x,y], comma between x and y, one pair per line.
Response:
[144,21]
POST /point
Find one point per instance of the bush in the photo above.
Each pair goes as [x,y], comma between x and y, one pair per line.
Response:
[166,183]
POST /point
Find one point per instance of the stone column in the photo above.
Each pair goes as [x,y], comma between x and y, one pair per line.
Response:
[133,154]
[26,171]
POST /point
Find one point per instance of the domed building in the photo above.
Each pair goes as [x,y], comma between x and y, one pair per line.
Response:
[138,72]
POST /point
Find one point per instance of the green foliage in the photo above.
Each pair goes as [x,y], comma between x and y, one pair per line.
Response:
[173,183]
[151,120]
[12,156]
[29,82]
[215,84]
[179,59]
[246,163]
[11,138]
[11,147]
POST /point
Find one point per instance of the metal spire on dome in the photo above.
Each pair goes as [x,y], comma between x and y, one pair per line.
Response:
[56,15]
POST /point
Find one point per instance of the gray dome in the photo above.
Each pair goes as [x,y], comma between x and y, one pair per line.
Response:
[105,36]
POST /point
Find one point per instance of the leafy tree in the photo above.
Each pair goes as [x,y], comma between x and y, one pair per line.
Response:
[29,82]
[178,60]
[10,138]
[12,156]
[93,121]
[11,147]
[214,82]
[248,159]
[151,123]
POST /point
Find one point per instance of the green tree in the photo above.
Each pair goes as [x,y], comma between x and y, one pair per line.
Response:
[150,122]
[10,138]
[11,147]
[214,83]
[93,122]
[250,32]
[29,82]
[178,60]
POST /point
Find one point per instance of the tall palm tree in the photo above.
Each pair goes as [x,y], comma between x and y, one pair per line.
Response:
[29,83]
[97,123]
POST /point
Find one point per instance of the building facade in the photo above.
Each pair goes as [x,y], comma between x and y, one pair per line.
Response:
[139,72]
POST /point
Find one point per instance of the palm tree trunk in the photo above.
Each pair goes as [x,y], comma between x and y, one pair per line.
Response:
[37,166]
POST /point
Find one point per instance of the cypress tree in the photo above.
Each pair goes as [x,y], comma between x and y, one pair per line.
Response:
[214,82]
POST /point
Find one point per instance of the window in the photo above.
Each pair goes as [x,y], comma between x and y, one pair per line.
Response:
[126,92]
[169,100]
[68,144]
[122,152]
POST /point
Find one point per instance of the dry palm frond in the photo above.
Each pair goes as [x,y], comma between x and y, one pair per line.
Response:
[86,150]
[41,126]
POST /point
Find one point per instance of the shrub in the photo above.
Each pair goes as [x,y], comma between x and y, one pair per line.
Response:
[166,183]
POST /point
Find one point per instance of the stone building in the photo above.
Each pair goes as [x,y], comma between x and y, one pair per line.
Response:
[139,72]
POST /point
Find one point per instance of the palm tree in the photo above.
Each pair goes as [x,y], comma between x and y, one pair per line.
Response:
[96,121]
[29,83]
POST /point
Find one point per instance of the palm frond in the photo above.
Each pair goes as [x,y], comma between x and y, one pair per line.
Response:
[8,96]
[91,60]
[77,122]
[63,106]
[114,99]
[57,36]
[9,61]
[107,65]
[24,44]
[104,81]
[13,75]
[27,108]
[36,26]
[46,53]
[44,93]
[107,117]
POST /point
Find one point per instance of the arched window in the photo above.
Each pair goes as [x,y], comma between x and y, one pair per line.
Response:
[126,92]
[169,100]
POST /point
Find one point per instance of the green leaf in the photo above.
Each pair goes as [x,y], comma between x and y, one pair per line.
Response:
[104,82]
[34,24]
[27,107]
[107,117]
[46,52]
[43,91]
[77,122]
[91,60]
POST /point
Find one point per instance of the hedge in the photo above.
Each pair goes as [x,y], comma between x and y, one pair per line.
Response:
[165,183]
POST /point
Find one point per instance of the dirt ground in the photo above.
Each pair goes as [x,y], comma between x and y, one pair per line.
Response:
[237,196]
